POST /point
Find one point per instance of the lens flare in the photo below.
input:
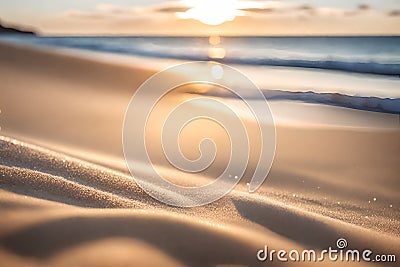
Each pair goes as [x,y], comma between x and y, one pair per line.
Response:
[216,53]
[214,40]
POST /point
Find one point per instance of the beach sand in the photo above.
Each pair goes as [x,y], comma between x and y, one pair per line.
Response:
[67,198]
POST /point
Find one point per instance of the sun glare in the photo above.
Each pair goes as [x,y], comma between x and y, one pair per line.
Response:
[211,12]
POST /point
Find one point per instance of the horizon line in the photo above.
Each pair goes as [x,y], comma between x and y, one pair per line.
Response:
[213,34]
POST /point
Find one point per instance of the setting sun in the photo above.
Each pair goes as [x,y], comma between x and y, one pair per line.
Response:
[211,12]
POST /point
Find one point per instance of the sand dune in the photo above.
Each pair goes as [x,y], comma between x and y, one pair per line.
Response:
[67,199]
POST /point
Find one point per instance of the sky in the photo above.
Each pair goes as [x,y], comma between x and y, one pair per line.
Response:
[204,17]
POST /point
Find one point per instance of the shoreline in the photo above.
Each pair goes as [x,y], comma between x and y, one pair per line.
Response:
[343,82]
[314,86]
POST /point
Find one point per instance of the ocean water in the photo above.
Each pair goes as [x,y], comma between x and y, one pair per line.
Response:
[355,72]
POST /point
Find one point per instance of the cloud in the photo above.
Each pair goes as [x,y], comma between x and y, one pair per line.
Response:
[305,7]
[394,13]
[258,10]
[172,9]
[249,8]
[102,11]
[84,15]
[364,7]
[333,12]
[304,10]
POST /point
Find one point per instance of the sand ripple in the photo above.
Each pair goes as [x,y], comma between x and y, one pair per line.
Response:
[59,210]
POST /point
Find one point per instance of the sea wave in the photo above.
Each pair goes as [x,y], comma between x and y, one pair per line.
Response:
[371,67]
[183,49]
[357,67]
[378,68]
[324,63]
[386,105]
[377,104]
